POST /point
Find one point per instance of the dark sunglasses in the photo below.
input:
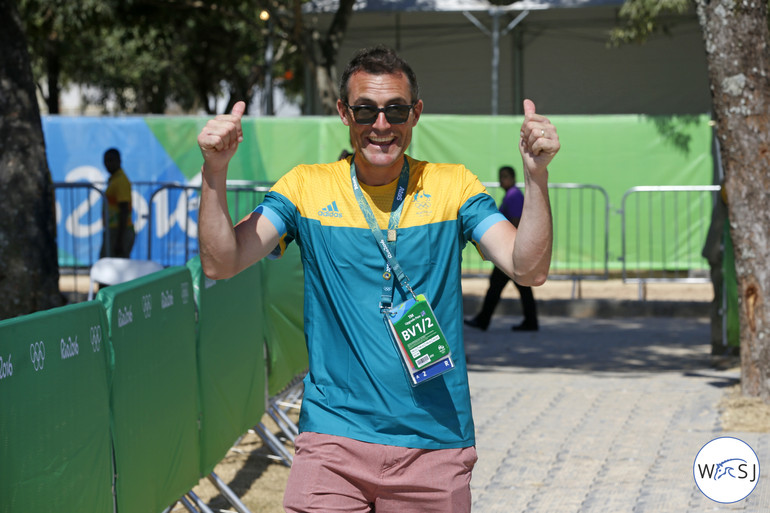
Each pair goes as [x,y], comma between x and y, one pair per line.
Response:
[367,114]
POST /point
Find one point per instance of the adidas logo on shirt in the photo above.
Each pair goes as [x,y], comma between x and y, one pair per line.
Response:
[330,210]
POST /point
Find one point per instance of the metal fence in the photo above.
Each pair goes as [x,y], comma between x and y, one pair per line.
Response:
[662,228]
[169,246]
[580,233]
[663,232]
[80,210]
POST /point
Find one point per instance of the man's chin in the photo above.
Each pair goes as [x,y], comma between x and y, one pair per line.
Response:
[380,159]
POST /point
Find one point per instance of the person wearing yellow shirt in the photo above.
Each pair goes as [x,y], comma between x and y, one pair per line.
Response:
[119,224]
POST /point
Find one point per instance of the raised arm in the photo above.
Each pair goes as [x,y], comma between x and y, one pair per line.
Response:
[226,250]
[524,254]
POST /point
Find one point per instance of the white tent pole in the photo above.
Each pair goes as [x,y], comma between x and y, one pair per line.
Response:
[495,34]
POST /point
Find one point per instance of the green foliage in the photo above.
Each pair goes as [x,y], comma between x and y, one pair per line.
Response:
[141,55]
[639,19]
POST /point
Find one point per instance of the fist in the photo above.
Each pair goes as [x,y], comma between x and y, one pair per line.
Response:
[539,141]
[220,137]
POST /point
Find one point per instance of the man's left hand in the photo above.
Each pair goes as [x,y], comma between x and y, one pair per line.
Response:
[539,141]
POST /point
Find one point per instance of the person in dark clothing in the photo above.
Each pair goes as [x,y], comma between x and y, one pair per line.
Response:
[511,208]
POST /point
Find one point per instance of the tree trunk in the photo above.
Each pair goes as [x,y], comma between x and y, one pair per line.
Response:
[322,69]
[29,274]
[736,37]
[326,75]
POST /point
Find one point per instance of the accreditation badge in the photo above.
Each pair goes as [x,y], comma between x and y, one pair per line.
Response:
[420,342]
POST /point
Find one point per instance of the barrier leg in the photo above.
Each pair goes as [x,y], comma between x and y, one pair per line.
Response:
[274,444]
[228,494]
[186,503]
[199,503]
[284,423]
[278,407]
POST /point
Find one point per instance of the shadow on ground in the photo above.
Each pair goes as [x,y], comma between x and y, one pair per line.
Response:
[598,345]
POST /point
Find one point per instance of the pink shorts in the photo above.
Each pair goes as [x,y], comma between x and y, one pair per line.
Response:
[338,474]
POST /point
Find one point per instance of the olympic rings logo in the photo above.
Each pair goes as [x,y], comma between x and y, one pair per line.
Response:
[147,305]
[37,355]
[96,338]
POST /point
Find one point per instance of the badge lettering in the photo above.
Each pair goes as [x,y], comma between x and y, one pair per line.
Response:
[420,328]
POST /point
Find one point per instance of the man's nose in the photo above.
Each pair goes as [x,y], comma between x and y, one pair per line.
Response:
[381,121]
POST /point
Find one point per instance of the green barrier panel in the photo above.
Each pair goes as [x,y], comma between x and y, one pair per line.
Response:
[153,389]
[283,292]
[231,358]
[55,448]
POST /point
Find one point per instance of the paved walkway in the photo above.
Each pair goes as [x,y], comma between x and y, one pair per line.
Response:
[598,415]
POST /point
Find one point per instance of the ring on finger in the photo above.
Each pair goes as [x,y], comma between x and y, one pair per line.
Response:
[542,132]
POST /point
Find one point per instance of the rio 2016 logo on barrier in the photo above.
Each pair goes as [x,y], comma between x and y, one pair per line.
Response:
[37,355]
[726,470]
[6,367]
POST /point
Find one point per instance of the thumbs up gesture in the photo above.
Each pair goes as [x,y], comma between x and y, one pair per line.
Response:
[539,141]
[220,138]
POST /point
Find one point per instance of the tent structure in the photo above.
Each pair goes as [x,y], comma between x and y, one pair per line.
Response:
[474,57]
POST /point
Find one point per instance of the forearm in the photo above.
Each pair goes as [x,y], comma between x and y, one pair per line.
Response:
[226,250]
[216,235]
[533,244]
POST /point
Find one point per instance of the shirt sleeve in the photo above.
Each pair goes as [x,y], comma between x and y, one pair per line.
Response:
[279,208]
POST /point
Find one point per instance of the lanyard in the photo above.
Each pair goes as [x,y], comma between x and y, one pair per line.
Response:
[386,247]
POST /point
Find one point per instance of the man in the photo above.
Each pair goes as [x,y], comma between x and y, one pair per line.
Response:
[511,208]
[369,438]
[119,209]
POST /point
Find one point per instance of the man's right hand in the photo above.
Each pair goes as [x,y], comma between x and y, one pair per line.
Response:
[219,139]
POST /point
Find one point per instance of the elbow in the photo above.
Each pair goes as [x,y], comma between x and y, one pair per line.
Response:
[539,279]
[533,279]
[214,271]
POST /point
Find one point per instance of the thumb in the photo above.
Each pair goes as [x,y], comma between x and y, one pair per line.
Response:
[529,107]
[238,109]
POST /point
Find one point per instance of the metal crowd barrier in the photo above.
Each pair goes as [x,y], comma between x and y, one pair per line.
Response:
[662,228]
[242,197]
[580,238]
[663,232]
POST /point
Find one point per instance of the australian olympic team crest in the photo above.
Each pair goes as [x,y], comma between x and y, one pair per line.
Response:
[726,470]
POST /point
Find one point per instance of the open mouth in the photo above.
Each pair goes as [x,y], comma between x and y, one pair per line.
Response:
[381,141]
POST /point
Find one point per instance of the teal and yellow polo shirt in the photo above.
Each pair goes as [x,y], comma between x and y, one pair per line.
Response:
[356,385]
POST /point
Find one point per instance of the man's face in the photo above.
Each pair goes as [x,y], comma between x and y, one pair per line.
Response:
[381,145]
[111,162]
[506,180]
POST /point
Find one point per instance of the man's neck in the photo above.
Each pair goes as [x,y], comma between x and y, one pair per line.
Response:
[376,176]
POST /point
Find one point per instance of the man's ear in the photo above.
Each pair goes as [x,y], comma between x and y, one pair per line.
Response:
[417,111]
[343,112]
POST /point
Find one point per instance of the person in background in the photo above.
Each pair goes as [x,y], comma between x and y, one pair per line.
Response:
[377,232]
[119,210]
[511,208]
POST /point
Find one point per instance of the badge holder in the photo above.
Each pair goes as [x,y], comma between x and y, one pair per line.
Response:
[420,342]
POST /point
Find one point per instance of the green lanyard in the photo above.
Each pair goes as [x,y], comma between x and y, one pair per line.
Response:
[387,247]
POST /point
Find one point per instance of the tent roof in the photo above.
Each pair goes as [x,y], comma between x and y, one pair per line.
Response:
[329,6]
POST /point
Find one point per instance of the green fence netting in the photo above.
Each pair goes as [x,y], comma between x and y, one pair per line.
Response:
[153,389]
[231,358]
[55,449]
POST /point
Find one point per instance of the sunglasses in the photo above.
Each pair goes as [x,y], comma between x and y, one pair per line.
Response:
[368,114]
